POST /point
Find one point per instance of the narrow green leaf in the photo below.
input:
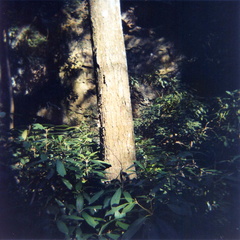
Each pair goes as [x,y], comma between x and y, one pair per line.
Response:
[131,166]
[128,197]
[62,227]
[38,126]
[73,217]
[114,209]
[104,226]
[139,164]
[99,219]
[67,183]
[119,215]
[100,174]
[60,204]
[60,137]
[128,208]
[89,219]
[116,198]
[122,225]
[106,202]
[60,168]
[134,227]
[113,236]
[96,197]
[24,134]
[82,156]
[101,163]
[96,207]
[79,202]
[110,212]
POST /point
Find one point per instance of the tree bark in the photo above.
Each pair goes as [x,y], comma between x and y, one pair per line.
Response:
[6,95]
[116,122]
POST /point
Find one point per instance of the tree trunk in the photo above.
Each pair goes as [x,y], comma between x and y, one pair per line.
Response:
[115,109]
[6,95]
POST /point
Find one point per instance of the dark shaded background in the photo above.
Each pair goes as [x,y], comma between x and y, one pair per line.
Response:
[206,32]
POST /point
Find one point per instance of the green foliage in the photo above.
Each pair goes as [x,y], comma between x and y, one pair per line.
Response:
[188,149]
[187,167]
[52,163]
[59,172]
[26,37]
[226,118]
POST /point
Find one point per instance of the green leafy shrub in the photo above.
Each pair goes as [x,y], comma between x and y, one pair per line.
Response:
[51,164]
[59,173]
[184,179]
[188,149]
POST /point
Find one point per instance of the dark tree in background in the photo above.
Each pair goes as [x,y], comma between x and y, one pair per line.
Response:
[6,94]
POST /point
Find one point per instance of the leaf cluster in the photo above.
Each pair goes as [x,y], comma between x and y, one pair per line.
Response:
[188,148]
[183,176]
[58,171]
